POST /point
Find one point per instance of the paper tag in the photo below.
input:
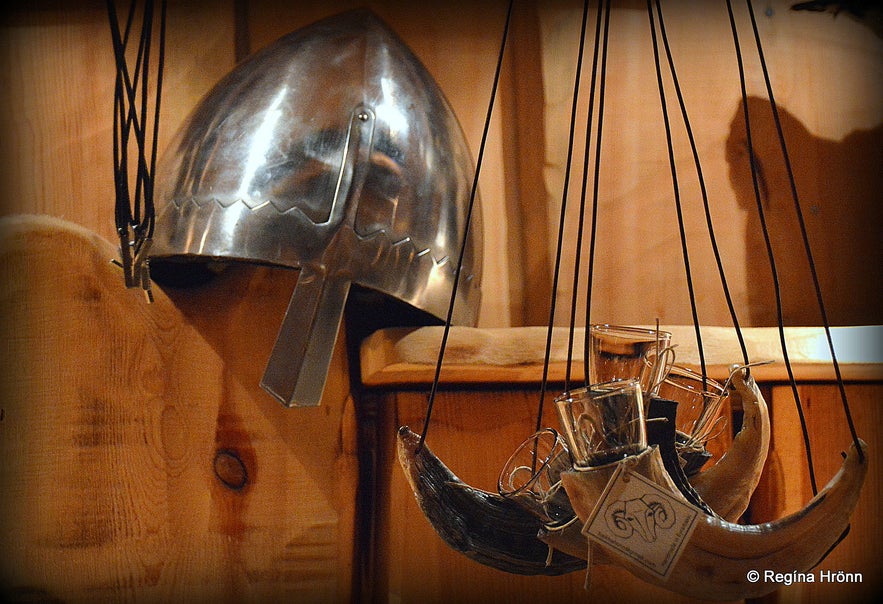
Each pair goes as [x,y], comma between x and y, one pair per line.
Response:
[642,521]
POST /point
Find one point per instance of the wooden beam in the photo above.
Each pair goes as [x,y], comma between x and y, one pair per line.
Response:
[516,355]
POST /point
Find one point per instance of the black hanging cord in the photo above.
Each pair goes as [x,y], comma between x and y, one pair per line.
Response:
[134,216]
[676,189]
[469,211]
[596,176]
[769,249]
[149,183]
[803,232]
[577,261]
[702,187]
[562,215]
[580,224]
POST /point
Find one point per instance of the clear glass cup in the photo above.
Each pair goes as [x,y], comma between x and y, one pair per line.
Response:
[603,422]
[618,352]
[699,402]
[532,477]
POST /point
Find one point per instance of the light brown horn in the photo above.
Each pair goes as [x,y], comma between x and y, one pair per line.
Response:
[728,485]
[716,561]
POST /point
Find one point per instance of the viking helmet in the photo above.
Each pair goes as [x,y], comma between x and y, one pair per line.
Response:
[334,152]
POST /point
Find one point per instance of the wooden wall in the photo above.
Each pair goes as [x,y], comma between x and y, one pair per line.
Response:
[56,84]
[141,459]
[826,78]
[55,107]
[57,101]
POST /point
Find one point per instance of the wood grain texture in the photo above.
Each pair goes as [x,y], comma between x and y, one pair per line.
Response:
[825,73]
[111,480]
[142,462]
[56,102]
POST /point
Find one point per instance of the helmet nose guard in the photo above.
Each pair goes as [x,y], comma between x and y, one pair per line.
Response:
[332,151]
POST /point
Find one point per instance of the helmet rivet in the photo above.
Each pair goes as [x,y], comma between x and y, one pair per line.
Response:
[363,116]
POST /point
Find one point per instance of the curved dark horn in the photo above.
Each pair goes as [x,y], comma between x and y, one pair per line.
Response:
[485,527]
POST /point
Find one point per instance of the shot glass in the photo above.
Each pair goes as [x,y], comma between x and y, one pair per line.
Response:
[618,352]
[603,422]
[532,477]
[699,402]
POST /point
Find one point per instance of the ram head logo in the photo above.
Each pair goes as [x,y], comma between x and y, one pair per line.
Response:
[642,515]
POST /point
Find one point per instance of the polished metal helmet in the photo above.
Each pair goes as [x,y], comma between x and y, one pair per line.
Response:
[332,151]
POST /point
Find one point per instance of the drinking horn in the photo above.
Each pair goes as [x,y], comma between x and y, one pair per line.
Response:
[484,526]
[718,558]
[727,486]
[518,542]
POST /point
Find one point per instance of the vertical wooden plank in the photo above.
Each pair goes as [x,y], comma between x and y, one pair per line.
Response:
[142,461]
[825,74]
[56,101]
[529,236]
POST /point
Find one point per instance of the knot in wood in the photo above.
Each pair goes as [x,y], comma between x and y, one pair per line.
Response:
[230,470]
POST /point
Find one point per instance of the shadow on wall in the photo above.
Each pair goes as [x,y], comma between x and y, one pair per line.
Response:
[840,189]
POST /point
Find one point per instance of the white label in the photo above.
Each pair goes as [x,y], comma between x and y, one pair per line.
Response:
[643,522]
